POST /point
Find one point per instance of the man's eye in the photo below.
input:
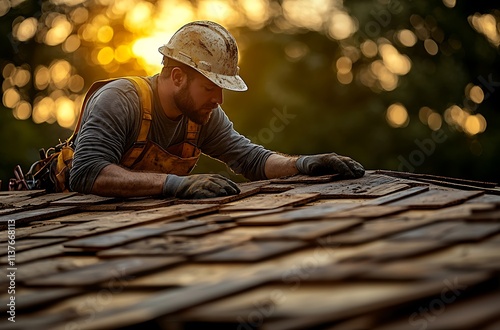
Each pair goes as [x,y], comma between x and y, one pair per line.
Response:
[209,89]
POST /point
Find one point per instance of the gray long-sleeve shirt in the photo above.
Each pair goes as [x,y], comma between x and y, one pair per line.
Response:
[111,122]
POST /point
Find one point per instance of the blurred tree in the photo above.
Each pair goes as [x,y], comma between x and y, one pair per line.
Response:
[408,85]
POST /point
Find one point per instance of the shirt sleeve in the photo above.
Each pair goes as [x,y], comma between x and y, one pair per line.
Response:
[109,127]
[222,142]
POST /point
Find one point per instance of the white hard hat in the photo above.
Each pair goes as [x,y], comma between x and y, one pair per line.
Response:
[210,49]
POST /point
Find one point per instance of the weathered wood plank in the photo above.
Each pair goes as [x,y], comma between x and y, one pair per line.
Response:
[437,198]
[265,202]
[44,267]
[82,217]
[252,213]
[43,200]
[405,270]
[34,228]
[384,250]
[275,188]
[187,274]
[145,204]
[493,216]
[301,178]
[9,198]
[310,230]
[22,218]
[30,298]
[493,191]
[369,212]
[175,246]
[122,221]
[370,186]
[210,228]
[105,271]
[450,232]
[128,235]
[27,244]
[82,200]
[9,210]
[373,230]
[39,253]
[299,214]
[460,212]
[252,251]
[486,199]
[397,195]
[223,217]
[419,176]
[336,272]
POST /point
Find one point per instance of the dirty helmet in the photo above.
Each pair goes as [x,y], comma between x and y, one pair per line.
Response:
[210,49]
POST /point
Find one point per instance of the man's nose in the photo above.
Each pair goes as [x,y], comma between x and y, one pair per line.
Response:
[218,96]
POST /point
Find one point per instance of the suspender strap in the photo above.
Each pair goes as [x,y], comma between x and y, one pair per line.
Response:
[191,140]
[145,98]
[146,105]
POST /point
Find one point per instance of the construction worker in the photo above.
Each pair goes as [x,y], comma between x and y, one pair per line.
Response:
[200,60]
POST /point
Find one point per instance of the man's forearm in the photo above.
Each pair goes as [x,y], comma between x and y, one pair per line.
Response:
[279,165]
[114,180]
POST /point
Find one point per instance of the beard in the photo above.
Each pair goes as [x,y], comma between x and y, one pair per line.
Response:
[185,103]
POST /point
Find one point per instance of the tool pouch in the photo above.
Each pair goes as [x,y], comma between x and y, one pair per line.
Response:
[50,173]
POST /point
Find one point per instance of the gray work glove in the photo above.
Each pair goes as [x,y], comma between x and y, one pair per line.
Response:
[330,164]
[199,186]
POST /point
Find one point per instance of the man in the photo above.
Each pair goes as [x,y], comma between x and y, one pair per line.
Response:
[200,60]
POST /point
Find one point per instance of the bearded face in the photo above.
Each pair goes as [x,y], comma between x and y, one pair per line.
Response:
[185,102]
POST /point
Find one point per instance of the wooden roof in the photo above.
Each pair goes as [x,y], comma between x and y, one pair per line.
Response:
[390,250]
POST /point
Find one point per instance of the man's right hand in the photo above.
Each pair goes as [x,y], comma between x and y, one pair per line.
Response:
[329,164]
[199,186]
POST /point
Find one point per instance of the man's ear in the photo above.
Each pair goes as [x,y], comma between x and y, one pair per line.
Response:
[178,76]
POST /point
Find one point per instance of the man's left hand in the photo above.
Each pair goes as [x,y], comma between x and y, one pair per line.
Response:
[330,164]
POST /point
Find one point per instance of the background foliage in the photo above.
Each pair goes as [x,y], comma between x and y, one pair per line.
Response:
[401,85]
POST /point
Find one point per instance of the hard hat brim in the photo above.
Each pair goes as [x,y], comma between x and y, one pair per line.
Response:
[232,83]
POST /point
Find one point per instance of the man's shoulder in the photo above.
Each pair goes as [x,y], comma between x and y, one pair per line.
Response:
[120,84]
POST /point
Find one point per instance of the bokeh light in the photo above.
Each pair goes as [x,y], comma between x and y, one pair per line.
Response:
[397,115]
[476,94]
[407,38]
[26,29]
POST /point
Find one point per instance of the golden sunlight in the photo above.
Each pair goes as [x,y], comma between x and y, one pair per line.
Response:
[309,14]
[476,94]
[139,17]
[257,11]
[487,25]
[61,28]
[394,61]
[65,111]
[26,29]
[424,113]
[407,38]
[341,26]
[397,115]
[22,111]
[145,48]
